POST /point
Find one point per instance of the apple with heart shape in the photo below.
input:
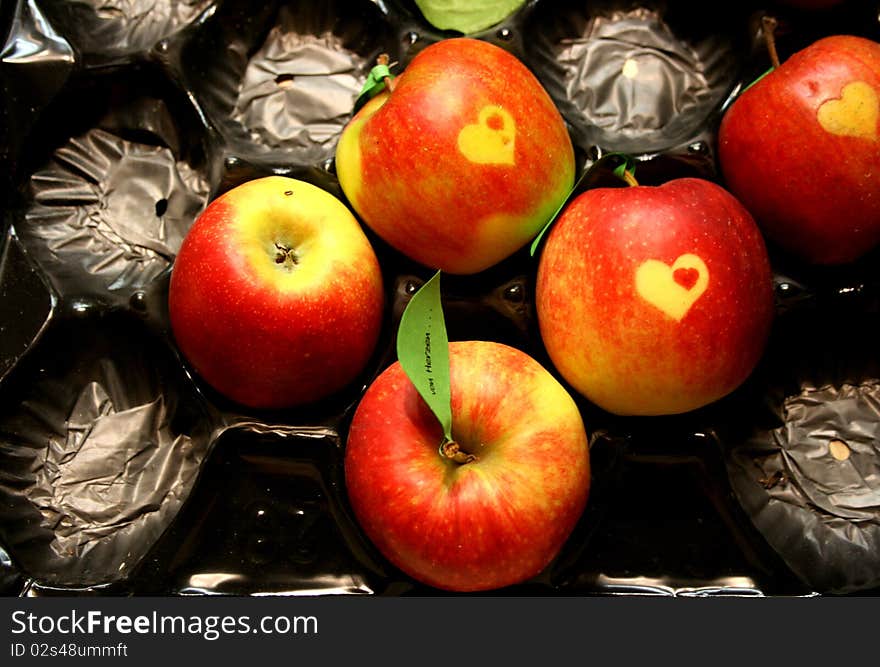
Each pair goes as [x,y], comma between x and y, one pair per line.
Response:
[276,296]
[462,162]
[801,150]
[655,300]
[501,511]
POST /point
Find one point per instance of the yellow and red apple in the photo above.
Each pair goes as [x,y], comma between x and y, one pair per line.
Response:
[801,150]
[463,162]
[502,514]
[655,300]
[276,295]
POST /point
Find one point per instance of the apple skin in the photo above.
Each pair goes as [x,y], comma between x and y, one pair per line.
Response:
[406,161]
[813,192]
[481,525]
[631,320]
[268,334]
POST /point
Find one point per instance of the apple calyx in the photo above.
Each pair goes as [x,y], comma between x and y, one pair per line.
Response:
[286,255]
[453,451]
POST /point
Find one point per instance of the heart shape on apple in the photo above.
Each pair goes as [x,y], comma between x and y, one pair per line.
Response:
[500,515]
[687,278]
[276,296]
[673,289]
[491,140]
[855,114]
[463,162]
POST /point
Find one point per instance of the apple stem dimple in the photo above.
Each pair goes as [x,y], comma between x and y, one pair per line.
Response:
[452,450]
[769,23]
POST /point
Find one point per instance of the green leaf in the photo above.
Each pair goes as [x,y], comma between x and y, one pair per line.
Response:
[588,175]
[758,79]
[467,17]
[423,351]
[374,85]
[623,170]
[537,241]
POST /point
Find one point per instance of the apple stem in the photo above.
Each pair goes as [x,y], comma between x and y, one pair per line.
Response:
[629,178]
[452,450]
[390,81]
[769,24]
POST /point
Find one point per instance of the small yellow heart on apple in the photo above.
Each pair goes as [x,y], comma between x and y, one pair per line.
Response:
[854,114]
[491,140]
[673,289]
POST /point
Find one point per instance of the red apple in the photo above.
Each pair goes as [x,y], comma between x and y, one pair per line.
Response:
[276,295]
[655,300]
[463,162]
[801,150]
[487,523]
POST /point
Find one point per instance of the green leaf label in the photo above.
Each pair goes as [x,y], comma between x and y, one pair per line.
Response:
[537,241]
[758,79]
[375,84]
[423,351]
[589,179]
[467,16]
[625,171]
